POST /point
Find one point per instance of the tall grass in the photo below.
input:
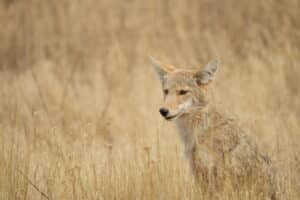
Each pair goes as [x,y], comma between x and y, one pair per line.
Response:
[78,106]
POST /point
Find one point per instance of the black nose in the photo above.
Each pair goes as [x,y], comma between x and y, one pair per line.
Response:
[164,112]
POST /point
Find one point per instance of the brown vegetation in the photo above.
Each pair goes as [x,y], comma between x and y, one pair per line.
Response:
[79,101]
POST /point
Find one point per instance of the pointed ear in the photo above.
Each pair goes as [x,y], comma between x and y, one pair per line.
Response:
[160,69]
[206,75]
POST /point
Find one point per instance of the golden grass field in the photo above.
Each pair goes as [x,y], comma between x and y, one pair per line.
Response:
[79,101]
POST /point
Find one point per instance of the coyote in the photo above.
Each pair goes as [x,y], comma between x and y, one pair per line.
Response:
[218,150]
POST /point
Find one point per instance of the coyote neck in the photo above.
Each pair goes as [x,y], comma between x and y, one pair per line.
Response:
[189,125]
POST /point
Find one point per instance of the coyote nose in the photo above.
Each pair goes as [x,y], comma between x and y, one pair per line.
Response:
[164,112]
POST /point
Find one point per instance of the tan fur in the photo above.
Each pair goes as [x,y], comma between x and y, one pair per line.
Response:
[218,150]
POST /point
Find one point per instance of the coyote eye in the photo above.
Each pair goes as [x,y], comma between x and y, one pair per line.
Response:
[166,91]
[183,92]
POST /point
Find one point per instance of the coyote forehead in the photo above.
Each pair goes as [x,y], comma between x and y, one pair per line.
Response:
[180,78]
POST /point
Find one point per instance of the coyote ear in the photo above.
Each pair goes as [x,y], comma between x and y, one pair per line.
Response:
[161,70]
[206,75]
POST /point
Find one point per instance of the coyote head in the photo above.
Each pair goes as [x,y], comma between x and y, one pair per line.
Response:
[184,90]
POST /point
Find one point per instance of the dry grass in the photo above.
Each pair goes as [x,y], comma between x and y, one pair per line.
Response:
[79,101]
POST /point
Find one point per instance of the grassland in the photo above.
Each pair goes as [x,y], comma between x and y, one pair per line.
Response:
[79,101]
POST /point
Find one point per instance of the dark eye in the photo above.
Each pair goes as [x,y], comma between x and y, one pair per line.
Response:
[166,91]
[183,92]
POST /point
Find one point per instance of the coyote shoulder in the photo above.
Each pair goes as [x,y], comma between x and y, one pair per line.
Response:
[218,150]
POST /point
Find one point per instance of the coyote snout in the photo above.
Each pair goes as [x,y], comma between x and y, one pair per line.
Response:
[177,102]
[164,112]
[216,147]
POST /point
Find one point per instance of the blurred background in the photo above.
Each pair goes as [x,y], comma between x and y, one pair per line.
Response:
[78,92]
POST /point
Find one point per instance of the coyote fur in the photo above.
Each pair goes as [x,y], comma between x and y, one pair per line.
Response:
[217,149]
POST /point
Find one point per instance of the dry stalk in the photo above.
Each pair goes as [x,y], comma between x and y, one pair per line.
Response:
[33,185]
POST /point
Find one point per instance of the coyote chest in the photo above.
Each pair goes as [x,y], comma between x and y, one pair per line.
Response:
[212,141]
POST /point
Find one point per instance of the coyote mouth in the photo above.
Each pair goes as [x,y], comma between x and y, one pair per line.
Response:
[170,117]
